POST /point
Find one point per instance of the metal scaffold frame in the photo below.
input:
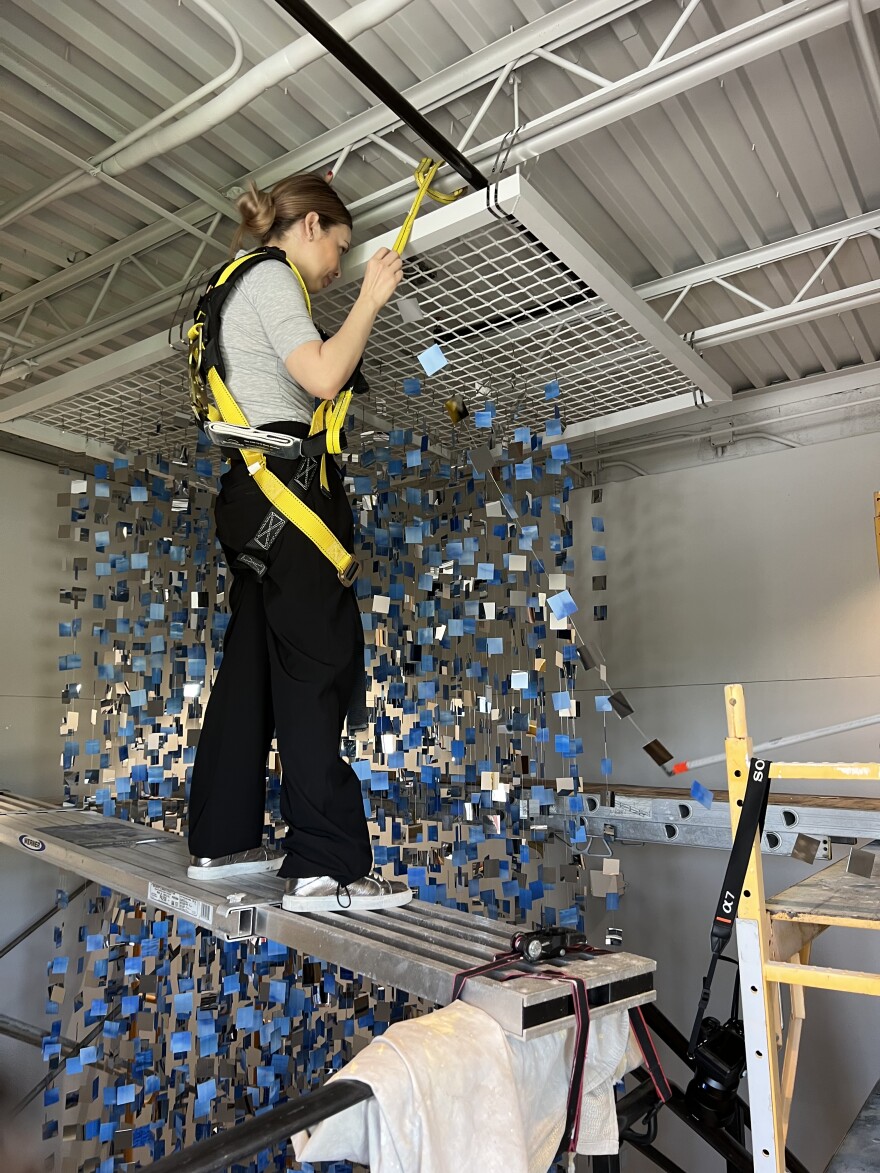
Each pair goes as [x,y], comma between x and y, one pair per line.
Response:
[774,939]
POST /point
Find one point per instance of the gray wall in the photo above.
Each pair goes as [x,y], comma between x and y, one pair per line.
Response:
[30,713]
[760,571]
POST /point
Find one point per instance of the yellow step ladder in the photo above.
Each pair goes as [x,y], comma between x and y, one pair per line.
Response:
[774,938]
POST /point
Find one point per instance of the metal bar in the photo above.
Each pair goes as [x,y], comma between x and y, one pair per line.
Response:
[800,293]
[327,36]
[659,1159]
[486,103]
[191,268]
[762,305]
[395,151]
[17,341]
[108,281]
[867,51]
[23,1032]
[606,1164]
[52,1075]
[838,302]
[791,739]
[139,264]
[674,31]
[732,1151]
[766,254]
[52,310]
[572,67]
[340,159]
[239,1144]
[88,169]
[677,302]
[41,920]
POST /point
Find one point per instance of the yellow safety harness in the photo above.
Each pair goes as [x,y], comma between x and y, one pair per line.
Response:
[206,368]
[207,374]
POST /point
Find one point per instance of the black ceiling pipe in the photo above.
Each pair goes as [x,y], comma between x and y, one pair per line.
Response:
[325,34]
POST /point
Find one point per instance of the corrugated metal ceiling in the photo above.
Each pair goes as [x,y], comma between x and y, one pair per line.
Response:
[773,149]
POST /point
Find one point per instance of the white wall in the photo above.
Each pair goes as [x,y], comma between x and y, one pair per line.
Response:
[760,571]
[30,711]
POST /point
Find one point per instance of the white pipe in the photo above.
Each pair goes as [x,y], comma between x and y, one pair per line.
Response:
[82,165]
[178,108]
[868,51]
[669,440]
[793,739]
[74,182]
[756,38]
[268,73]
[281,65]
[555,29]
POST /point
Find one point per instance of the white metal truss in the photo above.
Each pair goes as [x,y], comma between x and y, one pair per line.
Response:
[753,285]
[670,73]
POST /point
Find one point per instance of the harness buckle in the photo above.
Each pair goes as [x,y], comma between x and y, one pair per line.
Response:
[348,576]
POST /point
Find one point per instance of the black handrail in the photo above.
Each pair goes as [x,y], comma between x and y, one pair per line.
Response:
[327,35]
[241,1143]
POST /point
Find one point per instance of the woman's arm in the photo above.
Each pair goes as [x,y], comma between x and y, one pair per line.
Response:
[322,368]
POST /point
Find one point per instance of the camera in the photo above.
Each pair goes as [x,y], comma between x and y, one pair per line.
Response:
[545,943]
[720,1062]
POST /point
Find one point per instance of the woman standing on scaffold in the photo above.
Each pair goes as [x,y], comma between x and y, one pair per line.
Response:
[293,650]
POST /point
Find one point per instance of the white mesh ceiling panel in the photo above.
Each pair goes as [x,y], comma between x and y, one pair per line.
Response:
[513,298]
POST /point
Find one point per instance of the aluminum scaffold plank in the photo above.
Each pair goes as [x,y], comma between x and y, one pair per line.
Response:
[419,948]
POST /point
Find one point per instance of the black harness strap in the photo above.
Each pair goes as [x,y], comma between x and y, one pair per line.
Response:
[255,555]
[751,822]
[649,1054]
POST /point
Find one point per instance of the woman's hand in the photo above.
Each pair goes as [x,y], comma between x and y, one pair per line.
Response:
[381,278]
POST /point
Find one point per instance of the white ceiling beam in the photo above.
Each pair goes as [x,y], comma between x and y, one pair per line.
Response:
[756,38]
[87,377]
[755,258]
[837,302]
[574,19]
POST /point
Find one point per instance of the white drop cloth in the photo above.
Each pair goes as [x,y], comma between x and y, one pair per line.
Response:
[454,1093]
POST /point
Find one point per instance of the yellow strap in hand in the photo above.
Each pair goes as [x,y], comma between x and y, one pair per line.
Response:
[424,175]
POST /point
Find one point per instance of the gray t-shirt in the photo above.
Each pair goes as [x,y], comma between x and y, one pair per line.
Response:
[265,319]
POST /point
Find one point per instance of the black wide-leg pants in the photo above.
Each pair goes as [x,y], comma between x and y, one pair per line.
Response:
[292,661]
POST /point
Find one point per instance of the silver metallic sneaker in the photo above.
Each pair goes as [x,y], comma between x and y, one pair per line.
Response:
[256,859]
[322,894]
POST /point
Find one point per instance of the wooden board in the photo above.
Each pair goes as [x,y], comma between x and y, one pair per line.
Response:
[830,897]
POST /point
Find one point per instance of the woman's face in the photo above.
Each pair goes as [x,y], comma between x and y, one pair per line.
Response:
[317,252]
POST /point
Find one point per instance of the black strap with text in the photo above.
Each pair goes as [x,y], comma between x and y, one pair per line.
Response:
[751,822]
